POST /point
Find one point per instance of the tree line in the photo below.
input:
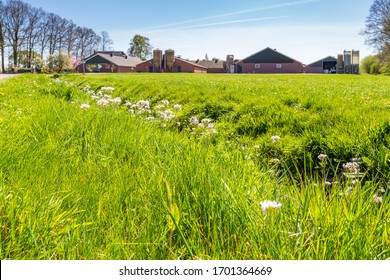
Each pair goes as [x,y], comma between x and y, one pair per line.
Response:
[377,33]
[32,33]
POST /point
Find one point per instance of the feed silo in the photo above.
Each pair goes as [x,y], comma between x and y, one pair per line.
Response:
[169,60]
[347,61]
[340,64]
[355,61]
[230,63]
[157,60]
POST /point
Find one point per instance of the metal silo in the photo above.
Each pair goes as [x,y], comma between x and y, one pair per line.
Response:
[157,60]
[347,61]
[340,63]
[355,62]
[169,60]
[230,63]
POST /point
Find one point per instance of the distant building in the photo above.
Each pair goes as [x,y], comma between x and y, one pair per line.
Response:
[107,62]
[213,66]
[325,65]
[268,61]
[169,63]
[347,63]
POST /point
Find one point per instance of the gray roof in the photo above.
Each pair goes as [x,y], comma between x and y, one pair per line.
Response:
[215,63]
[320,62]
[268,55]
[124,61]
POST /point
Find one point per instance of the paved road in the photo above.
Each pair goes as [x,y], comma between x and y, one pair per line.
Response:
[6,76]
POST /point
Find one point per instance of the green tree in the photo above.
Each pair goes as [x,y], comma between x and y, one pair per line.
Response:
[367,62]
[377,32]
[140,47]
[59,63]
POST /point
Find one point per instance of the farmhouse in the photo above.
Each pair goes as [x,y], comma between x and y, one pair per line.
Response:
[107,61]
[325,65]
[268,61]
[169,63]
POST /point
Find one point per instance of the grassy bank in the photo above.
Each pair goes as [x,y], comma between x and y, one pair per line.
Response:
[178,167]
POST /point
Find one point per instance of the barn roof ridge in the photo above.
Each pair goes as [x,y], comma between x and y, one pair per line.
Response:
[281,55]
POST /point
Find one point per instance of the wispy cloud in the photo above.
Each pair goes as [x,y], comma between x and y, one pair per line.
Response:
[264,8]
[220,23]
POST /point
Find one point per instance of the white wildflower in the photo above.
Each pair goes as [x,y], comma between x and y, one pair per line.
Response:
[269,204]
[256,147]
[128,104]
[160,106]
[107,89]
[322,157]
[377,199]
[117,100]
[103,102]
[85,106]
[352,167]
[275,139]
[177,107]
[194,120]
[165,102]
[210,126]
[206,121]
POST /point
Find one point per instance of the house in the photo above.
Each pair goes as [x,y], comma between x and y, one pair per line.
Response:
[269,61]
[325,65]
[169,63]
[109,61]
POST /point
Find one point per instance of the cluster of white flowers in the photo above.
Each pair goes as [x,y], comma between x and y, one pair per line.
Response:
[266,204]
[162,111]
[107,89]
[166,115]
[352,167]
[141,107]
[85,106]
[205,127]
[377,199]
[322,157]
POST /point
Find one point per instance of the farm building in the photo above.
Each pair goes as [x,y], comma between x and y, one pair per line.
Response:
[169,63]
[268,61]
[107,62]
[213,66]
[325,65]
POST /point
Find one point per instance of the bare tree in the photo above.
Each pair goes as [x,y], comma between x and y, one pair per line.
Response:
[32,34]
[87,41]
[2,35]
[106,42]
[377,29]
[70,37]
[15,24]
[43,32]
[53,22]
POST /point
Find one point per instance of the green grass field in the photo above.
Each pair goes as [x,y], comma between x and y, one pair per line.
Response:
[180,166]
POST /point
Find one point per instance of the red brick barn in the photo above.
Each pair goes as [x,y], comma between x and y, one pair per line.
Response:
[169,63]
[268,61]
[109,62]
[326,65]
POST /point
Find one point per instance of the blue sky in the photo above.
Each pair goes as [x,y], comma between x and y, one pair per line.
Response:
[306,30]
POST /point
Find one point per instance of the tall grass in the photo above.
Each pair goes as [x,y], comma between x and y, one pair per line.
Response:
[104,183]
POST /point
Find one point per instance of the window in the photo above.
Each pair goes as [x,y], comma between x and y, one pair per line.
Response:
[278,66]
[257,66]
